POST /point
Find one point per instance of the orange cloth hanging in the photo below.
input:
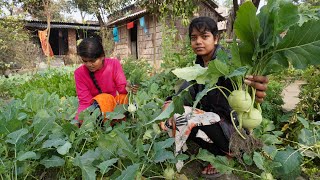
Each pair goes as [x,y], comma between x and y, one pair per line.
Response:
[43,39]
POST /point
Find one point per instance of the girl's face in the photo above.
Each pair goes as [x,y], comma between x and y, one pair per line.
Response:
[93,64]
[203,43]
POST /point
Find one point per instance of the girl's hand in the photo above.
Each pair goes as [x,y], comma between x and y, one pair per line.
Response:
[260,83]
[133,88]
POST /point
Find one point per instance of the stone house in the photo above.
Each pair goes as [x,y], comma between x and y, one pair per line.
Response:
[63,35]
[137,43]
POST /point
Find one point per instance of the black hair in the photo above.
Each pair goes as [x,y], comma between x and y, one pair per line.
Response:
[94,80]
[90,48]
[203,24]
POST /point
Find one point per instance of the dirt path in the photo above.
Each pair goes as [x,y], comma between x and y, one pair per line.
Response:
[290,95]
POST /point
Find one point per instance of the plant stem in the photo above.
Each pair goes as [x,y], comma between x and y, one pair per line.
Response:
[234,125]
[162,177]
[83,145]
[26,176]
[246,172]
[155,136]
[15,162]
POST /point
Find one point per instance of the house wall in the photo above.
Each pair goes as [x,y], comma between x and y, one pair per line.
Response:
[122,49]
[206,11]
[149,44]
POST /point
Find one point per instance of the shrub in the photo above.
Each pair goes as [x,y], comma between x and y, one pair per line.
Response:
[16,48]
[309,105]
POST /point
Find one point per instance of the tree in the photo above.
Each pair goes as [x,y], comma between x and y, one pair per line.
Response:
[100,7]
[16,49]
[9,5]
[37,8]
[175,8]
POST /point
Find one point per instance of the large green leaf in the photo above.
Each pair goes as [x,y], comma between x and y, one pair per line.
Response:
[215,70]
[246,25]
[64,149]
[86,159]
[129,173]
[300,47]
[15,136]
[88,172]
[85,163]
[288,15]
[53,143]
[54,161]
[268,21]
[104,166]
[290,160]
[247,28]
[163,155]
[122,140]
[176,106]
[307,137]
[259,160]
[189,73]
[270,150]
[222,164]
[27,155]
[10,126]
[158,146]
[42,123]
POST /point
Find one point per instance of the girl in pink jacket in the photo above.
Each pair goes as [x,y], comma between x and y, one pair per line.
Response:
[99,79]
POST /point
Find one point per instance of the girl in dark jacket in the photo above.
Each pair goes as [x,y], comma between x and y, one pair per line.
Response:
[203,33]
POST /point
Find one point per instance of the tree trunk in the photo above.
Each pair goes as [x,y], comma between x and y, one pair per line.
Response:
[101,22]
[46,4]
[256,3]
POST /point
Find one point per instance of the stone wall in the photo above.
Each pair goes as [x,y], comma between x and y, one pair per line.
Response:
[149,44]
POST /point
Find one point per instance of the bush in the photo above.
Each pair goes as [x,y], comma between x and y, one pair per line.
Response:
[136,70]
[309,105]
[16,49]
[271,107]
[59,81]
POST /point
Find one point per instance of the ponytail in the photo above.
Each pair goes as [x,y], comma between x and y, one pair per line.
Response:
[95,82]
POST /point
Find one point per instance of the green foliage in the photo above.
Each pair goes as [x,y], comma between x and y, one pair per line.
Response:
[174,8]
[290,160]
[265,49]
[97,6]
[309,105]
[52,81]
[136,70]
[37,8]
[13,42]
[176,50]
[271,107]
[164,83]
[41,127]
[59,81]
